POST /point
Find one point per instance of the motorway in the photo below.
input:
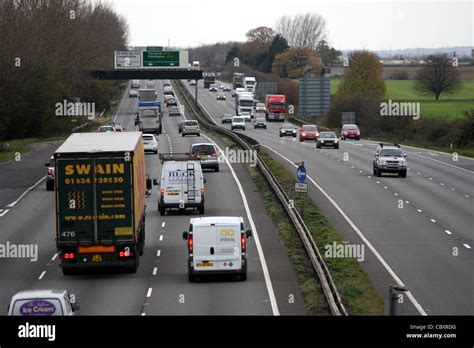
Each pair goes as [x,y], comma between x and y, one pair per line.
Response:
[160,286]
[417,231]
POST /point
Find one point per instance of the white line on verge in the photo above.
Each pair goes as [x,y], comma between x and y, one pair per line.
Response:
[11,205]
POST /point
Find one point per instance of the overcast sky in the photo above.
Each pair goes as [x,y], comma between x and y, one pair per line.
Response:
[350,24]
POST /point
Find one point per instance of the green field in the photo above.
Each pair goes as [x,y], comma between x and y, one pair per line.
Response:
[449,106]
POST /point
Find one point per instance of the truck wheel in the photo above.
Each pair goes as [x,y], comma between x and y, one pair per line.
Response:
[134,268]
[161,210]
[201,209]
[217,169]
[374,171]
[379,172]
[141,247]
[403,173]
[182,134]
[49,185]
[191,278]
[69,271]
[243,276]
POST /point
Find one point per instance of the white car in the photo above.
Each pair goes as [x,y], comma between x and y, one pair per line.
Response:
[238,122]
[133,93]
[42,303]
[260,107]
[246,115]
[192,83]
[217,245]
[181,183]
[150,143]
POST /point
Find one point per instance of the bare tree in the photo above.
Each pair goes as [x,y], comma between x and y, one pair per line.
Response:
[262,35]
[302,30]
[439,76]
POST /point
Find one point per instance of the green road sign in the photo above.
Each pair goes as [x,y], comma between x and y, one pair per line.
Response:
[161,59]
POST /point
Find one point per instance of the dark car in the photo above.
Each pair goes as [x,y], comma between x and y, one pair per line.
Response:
[309,132]
[260,122]
[226,88]
[287,129]
[327,139]
[227,118]
[174,111]
[350,131]
[50,175]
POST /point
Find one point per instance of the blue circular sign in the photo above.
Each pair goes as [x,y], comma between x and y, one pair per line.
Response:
[301,173]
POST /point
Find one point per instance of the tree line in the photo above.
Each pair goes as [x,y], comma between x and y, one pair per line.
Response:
[47,49]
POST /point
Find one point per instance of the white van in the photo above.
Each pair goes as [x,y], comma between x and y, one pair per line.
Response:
[181,183]
[42,303]
[217,245]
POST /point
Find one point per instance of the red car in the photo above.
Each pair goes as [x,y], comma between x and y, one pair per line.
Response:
[350,131]
[309,132]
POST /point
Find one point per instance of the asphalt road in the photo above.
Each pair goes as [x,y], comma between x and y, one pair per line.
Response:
[416,231]
[160,286]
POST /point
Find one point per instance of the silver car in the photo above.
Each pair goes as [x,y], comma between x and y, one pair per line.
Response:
[208,154]
[190,127]
[150,143]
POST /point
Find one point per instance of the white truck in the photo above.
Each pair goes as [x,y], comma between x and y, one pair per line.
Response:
[181,183]
[217,245]
[244,102]
[250,84]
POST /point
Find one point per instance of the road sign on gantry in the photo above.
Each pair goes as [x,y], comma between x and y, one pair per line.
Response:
[165,59]
[128,59]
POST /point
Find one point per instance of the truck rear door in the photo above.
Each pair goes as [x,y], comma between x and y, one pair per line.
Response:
[94,200]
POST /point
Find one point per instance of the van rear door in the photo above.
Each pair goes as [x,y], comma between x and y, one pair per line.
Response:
[204,248]
[173,182]
[229,248]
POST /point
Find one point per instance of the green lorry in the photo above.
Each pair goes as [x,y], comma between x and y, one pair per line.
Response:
[100,193]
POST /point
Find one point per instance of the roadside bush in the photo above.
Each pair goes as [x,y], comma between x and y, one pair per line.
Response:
[399,75]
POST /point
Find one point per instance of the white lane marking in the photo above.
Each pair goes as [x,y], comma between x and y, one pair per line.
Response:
[4,212]
[155,270]
[420,211]
[369,176]
[467,196]
[410,296]
[158,253]
[42,275]
[418,173]
[385,187]
[150,290]
[430,178]
[446,164]
[266,273]
[432,220]
[441,184]
[55,256]
[407,202]
[163,224]
[11,205]
[143,314]
[453,189]
[395,194]
[448,232]
[467,246]
[161,237]
[378,182]
[120,105]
